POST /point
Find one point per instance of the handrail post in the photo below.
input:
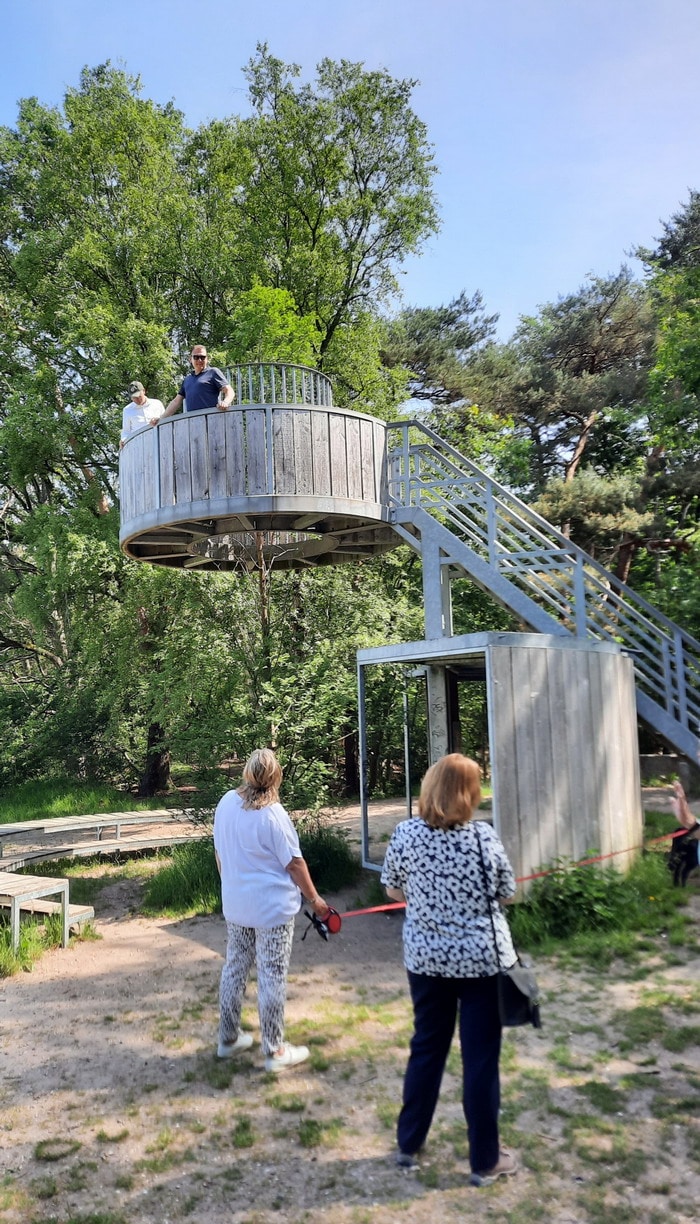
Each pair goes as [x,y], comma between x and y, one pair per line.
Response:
[491,525]
[679,656]
[580,610]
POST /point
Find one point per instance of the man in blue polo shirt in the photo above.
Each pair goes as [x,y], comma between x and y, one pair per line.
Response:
[205,388]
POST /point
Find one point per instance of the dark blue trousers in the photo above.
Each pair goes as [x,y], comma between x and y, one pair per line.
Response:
[436,1001]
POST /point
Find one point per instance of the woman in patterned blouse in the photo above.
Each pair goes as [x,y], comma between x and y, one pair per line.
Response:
[433,863]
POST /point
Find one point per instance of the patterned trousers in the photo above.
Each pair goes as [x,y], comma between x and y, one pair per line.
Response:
[270,949]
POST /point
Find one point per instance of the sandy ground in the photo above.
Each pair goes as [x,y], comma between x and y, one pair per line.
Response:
[107,1051]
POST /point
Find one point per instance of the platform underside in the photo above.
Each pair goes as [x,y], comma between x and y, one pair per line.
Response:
[235,542]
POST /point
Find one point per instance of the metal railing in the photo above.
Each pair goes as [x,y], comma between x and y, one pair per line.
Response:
[579,593]
[271,382]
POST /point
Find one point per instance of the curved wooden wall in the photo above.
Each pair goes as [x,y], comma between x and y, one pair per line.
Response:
[194,488]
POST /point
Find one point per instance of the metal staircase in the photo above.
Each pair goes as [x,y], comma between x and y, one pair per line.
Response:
[458,517]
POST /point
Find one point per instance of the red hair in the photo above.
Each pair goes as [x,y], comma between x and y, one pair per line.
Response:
[450,791]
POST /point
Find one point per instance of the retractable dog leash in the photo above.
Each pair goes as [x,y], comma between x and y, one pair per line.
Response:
[330,924]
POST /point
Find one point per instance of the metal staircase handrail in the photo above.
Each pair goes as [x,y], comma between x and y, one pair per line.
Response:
[521,546]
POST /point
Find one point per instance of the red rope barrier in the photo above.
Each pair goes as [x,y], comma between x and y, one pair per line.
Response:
[536,875]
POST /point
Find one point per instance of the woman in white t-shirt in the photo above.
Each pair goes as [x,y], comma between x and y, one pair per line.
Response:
[263,877]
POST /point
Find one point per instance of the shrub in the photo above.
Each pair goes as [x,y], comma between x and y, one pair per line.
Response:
[328,853]
[189,884]
[591,900]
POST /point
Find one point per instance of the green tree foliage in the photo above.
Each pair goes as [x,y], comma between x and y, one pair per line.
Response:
[438,345]
[675,288]
[124,237]
[574,378]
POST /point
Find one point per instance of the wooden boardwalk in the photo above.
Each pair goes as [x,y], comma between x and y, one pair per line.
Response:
[51,840]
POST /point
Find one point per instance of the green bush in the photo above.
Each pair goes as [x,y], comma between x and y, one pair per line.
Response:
[328,854]
[189,884]
[588,901]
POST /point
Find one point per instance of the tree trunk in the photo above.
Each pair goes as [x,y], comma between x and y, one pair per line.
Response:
[156,774]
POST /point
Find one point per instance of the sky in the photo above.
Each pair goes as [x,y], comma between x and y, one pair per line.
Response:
[565,131]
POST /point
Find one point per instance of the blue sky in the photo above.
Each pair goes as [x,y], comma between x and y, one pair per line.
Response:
[565,131]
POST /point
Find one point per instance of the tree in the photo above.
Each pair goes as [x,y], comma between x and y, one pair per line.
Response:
[438,345]
[123,236]
[576,378]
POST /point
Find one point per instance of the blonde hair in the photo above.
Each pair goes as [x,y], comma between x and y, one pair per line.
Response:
[262,775]
[450,791]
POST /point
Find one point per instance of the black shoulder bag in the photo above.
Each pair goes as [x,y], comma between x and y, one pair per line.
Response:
[518,993]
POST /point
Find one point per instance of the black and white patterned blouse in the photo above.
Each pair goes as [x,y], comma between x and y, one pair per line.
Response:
[447,931]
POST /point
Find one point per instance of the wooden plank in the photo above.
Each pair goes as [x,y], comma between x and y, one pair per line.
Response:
[367,470]
[125,488]
[524,735]
[255,452]
[235,454]
[352,450]
[501,722]
[216,441]
[12,885]
[76,913]
[198,456]
[303,455]
[120,845]
[544,768]
[167,464]
[339,466]
[381,473]
[69,824]
[321,454]
[283,451]
[142,470]
[181,452]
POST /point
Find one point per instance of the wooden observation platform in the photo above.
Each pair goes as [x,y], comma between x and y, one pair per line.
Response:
[281,476]
[285,477]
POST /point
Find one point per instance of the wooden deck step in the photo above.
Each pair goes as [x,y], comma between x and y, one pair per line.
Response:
[76,913]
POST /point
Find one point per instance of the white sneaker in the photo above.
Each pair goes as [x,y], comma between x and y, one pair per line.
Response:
[226,1048]
[290,1056]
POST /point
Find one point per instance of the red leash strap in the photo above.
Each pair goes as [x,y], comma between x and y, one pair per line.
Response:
[536,875]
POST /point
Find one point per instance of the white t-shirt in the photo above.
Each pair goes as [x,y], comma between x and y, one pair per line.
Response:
[135,416]
[254,846]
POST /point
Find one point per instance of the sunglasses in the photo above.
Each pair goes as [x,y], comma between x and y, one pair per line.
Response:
[199,356]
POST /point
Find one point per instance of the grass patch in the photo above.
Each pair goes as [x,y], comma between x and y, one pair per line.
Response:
[326,848]
[598,913]
[36,935]
[103,1136]
[189,884]
[55,1149]
[312,1133]
[287,1102]
[243,1135]
[56,797]
[603,1096]
[645,1023]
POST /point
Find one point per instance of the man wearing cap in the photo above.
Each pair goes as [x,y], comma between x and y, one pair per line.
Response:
[141,411]
[205,388]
